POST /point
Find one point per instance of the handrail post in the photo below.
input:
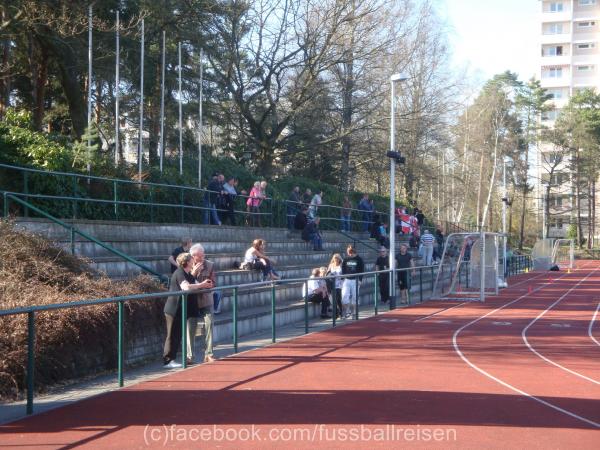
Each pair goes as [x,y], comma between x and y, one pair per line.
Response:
[184,331]
[72,238]
[6,199]
[30,360]
[334,306]
[375,286]
[305,308]
[74,207]
[115,200]
[151,204]
[356,298]
[181,200]
[26,191]
[273,324]
[421,284]
[120,345]
[234,318]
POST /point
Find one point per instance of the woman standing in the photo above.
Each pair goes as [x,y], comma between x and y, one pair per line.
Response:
[256,259]
[181,280]
[253,205]
[335,270]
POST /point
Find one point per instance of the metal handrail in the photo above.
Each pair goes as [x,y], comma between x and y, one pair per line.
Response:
[72,230]
[32,310]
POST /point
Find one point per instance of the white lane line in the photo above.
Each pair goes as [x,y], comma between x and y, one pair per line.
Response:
[439,312]
[464,303]
[503,383]
[590,328]
[542,314]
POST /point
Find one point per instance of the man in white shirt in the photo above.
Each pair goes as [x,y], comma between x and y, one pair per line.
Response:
[427,241]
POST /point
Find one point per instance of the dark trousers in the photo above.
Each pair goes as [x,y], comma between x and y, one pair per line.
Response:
[227,214]
[384,287]
[173,340]
[318,298]
[337,298]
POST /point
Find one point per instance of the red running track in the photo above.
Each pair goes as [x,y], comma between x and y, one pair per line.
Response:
[523,369]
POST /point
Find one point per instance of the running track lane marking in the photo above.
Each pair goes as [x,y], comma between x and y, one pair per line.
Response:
[542,314]
[592,326]
[464,303]
[504,383]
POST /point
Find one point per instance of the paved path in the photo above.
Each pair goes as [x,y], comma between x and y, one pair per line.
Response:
[523,369]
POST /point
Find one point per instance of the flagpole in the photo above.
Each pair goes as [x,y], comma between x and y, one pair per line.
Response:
[117,82]
[140,135]
[180,116]
[162,104]
[200,122]
[89,99]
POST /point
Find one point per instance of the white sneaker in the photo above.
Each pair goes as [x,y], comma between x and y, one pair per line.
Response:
[173,365]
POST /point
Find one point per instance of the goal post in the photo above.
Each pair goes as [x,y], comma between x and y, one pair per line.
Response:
[470,267]
[553,252]
[563,253]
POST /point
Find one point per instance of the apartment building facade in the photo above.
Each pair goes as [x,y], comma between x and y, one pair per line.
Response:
[569,61]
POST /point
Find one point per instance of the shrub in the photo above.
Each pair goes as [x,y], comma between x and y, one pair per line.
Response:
[71,342]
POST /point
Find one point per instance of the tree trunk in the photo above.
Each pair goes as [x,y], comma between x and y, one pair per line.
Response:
[523,209]
[5,79]
[547,208]
[40,79]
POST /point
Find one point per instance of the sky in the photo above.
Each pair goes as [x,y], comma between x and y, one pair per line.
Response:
[492,36]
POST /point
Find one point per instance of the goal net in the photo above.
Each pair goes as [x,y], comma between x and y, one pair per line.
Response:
[549,252]
[470,268]
[563,253]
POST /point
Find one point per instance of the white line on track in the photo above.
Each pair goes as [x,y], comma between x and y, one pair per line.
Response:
[503,383]
[464,303]
[590,328]
[542,314]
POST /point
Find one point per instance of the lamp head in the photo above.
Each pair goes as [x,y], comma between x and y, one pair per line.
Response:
[398,77]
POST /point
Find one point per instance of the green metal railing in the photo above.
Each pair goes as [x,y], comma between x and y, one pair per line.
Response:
[121,199]
[31,312]
[75,231]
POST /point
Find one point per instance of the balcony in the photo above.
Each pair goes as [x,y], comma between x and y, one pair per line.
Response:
[590,58]
[556,82]
[557,39]
[564,16]
[563,60]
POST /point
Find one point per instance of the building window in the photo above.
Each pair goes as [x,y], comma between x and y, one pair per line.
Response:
[553,72]
[555,28]
[586,46]
[585,68]
[556,94]
[556,7]
[587,24]
[587,2]
[553,51]
[555,201]
[556,222]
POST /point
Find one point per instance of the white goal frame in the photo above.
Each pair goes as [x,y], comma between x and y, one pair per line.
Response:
[448,275]
[556,256]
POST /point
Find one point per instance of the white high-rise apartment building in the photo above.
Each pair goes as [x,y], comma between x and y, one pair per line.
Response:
[570,61]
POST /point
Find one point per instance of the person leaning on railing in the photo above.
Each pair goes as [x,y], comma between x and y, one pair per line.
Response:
[181,280]
[293,206]
[204,273]
[346,213]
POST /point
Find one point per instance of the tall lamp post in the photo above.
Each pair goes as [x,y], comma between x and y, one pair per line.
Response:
[394,156]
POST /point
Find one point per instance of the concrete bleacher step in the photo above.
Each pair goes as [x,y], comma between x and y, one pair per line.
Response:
[151,244]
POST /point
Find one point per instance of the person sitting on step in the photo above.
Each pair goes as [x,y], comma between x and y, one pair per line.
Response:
[256,259]
[317,292]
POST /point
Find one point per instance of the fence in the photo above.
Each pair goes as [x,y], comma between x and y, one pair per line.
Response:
[81,196]
[235,290]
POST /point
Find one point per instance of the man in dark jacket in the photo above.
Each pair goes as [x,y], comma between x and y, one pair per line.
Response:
[301,219]
[352,265]
[214,190]
[293,206]
[311,233]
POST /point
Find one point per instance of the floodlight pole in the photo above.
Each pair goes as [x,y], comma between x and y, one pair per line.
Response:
[180,115]
[504,202]
[392,228]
